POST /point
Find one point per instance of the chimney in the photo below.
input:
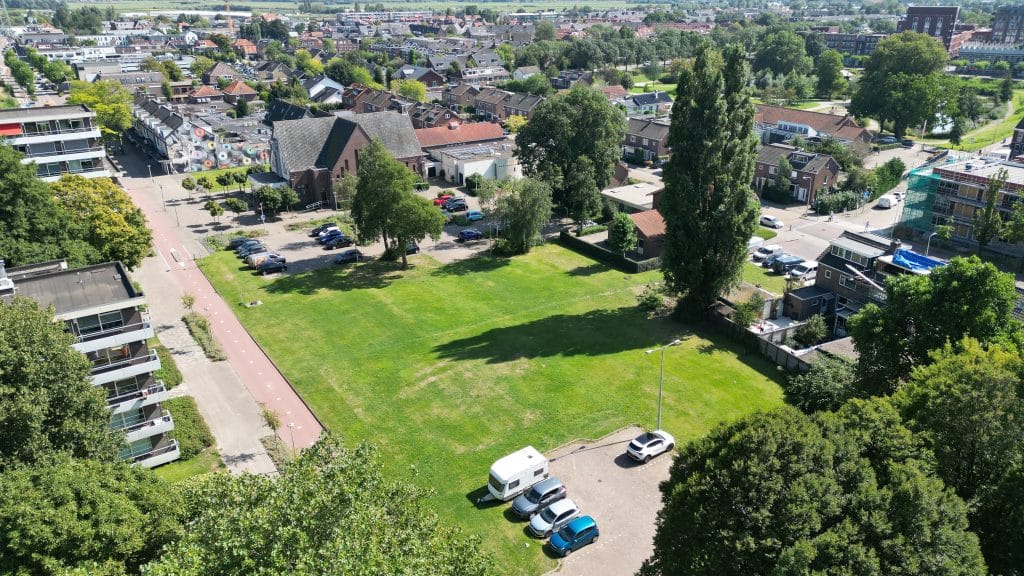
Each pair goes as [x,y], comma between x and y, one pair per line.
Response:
[895,245]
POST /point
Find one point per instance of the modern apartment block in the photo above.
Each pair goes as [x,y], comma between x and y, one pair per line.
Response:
[1008,25]
[950,194]
[59,139]
[935,21]
[106,315]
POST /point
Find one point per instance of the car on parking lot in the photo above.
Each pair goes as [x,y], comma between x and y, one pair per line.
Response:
[247,244]
[470,234]
[270,266]
[573,536]
[885,140]
[348,256]
[254,259]
[456,205]
[251,249]
[766,251]
[474,215]
[553,517]
[538,496]
[783,264]
[907,143]
[650,444]
[322,228]
[237,241]
[769,221]
[338,242]
[330,236]
[328,230]
[412,248]
[767,262]
[442,199]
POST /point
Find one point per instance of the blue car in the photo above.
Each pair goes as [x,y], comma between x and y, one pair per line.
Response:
[575,535]
[470,234]
[474,215]
[330,236]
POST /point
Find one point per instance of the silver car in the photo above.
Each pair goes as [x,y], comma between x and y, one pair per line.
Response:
[553,518]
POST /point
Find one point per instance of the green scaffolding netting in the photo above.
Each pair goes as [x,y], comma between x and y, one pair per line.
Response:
[921,190]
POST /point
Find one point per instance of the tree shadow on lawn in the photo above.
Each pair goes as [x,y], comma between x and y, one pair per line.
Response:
[473,265]
[589,270]
[595,333]
[358,276]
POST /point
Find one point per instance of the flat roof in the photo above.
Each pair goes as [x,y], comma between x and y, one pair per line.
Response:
[45,113]
[77,289]
[859,247]
[638,196]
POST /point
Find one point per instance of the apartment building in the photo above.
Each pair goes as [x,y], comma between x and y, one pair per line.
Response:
[950,194]
[106,316]
[1008,25]
[59,139]
[935,21]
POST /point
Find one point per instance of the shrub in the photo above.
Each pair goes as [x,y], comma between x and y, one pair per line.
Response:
[812,332]
[592,230]
[199,327]
[650,299]
[826,386]
[168,372]
[270,417]
[747,313]
[837,202]
[190,430]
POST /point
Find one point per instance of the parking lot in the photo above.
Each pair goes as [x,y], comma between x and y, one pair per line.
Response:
[622,496]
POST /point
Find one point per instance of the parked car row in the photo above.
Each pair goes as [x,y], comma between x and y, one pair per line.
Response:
[258,256]
[331,237]
[794,267]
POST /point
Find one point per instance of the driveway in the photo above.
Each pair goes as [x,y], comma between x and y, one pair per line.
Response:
[621,495]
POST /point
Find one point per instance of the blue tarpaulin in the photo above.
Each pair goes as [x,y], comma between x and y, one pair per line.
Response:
[914,261]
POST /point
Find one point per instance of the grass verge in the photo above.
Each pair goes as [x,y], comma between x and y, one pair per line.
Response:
[766,233]
[205,462]
[449,367]
[199,327]
[759,276]
[278,452]
[168,371]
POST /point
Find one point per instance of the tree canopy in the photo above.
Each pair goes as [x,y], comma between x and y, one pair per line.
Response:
[104,216]
[567,128]
[331,512]
[837,493]
[111,102]
[966,297]
[522,207]
[708,205]
[782,52]
[415,219]
[94,517]
[383,181]
[829,70]
[47,403]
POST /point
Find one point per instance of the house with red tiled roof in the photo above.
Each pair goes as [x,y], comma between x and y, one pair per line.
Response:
[459,134]
[614,92]
[239,90]
[204,45]
[650,233]
[204,94]
[777,124]
[245,47]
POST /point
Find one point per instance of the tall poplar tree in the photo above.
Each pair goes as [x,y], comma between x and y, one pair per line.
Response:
[708,205]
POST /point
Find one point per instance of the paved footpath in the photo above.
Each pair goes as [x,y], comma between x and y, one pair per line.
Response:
[250,364]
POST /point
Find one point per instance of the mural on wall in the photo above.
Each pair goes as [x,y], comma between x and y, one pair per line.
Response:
[212,150]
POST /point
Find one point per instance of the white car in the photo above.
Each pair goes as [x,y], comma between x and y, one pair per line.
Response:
[771,222]
[650,444]
[553,518]
[766,251]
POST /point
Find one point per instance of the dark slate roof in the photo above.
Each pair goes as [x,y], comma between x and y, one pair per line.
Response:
[301,142]
[649,98]
[650,129]
[284,110]
[394,130]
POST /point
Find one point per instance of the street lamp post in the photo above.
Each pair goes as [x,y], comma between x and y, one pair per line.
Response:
[150,168]
[162,200]
[291,433]
[928,246]
[661,378]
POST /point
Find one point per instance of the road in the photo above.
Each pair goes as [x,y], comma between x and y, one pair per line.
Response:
[177,247]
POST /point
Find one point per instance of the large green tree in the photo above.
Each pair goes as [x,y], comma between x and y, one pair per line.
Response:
[829,70]
[522,207]
[92,517]
[999,522]
[966,297]
[902,81]
[837,493]
[383,181]
[415,218]
[782,52]
[111,102]
[331,512]
[988,224]
[567,129]
[47,403]
[708,205]
[102,214]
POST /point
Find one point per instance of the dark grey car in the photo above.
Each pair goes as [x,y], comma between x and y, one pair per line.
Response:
[538,497]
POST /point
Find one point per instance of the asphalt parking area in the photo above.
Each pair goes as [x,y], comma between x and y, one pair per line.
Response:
[621,495]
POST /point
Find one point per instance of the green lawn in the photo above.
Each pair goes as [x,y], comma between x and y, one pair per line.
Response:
[449,367]
[989,133]
[755,274]
[207,461]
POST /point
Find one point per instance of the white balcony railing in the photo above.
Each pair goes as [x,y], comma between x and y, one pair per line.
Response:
[124,369]
[159,456]
[138,398]
[159,425]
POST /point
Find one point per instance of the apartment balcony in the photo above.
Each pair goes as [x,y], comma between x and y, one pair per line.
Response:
[159,456]
[138,398]
[90,153]
[54,175]
[127,334]
[159,425]
[124,369]
[54,135]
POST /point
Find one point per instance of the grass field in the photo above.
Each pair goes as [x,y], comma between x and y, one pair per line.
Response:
[770,281]
[207,461]
[449,367]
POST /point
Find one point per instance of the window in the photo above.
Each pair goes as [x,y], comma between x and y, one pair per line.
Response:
[645,142]
[513,484]
[828,274]
[826,179]
[100,323]
[538,472]
[773,169]
[632,138]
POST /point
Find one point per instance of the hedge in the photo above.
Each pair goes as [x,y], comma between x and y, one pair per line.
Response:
[606,256]
[190,430]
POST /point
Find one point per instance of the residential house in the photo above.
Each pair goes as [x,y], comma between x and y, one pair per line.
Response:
[524,72]
[273,71]
[311,153]
[614,93]
[648,103]
[777,124]
[811,172]
[221,70]
[245,48]
[935,21]
[204,94]
[239,90]
[486,58]
[427,76]
[484,75]
[316,84]
[425,115]
[650,233]
[460,97]
[853,44]
[457,133]
[1017,141]
[135,82]
[631,198]
[567,78]
[58,139]
[489,104]
[106,318]
[519,104]
[646,139]
[489,161]
[279,110]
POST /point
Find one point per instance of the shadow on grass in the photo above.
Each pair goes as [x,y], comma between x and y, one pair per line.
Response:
[589,270]
[472,266]
[476,499]
[595,333]
[361,276]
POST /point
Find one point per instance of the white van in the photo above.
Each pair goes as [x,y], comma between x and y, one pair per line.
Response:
[803,271]
[887,201]
[513,474]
